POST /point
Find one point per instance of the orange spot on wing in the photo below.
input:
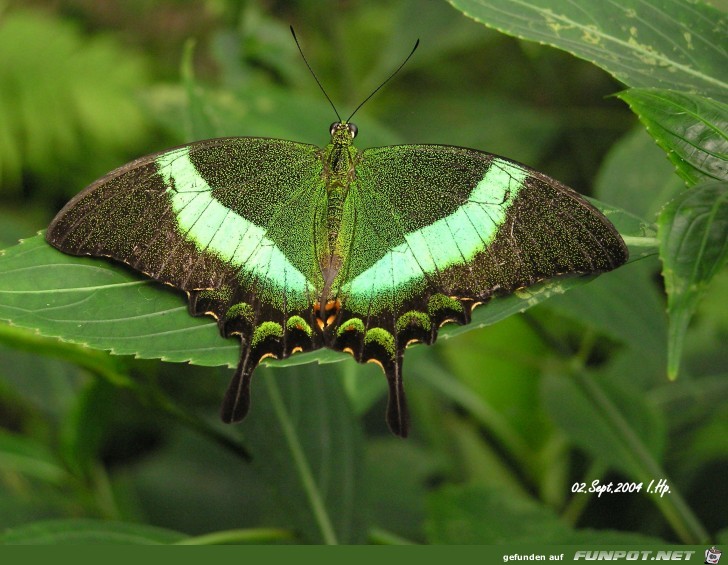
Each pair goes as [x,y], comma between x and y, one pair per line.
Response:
[376,362]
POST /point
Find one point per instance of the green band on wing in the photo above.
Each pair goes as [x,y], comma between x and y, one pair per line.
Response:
[216,229]
[453,240]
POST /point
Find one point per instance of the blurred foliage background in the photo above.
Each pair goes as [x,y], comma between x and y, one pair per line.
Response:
[506,419]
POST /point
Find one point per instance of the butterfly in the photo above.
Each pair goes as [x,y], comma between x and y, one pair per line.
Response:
[292,247]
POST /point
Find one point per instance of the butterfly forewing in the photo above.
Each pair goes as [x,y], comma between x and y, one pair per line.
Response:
[440,219]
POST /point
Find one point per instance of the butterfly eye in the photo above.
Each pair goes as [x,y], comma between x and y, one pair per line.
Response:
[353,130]
[333,127]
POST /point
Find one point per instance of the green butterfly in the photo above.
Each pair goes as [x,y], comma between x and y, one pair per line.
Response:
[292,247]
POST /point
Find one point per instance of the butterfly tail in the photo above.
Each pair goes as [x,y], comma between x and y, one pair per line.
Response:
[397,413]
[236,404]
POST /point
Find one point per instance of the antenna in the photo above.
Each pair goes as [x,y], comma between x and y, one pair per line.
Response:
[313,74]
[390,77]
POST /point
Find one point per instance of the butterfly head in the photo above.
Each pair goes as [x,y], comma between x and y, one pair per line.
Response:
[342,133]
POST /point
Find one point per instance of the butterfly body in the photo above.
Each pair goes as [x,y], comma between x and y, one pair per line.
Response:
[339,159]
[292,247]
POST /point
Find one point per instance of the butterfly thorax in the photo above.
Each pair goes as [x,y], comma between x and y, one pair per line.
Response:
[339,161]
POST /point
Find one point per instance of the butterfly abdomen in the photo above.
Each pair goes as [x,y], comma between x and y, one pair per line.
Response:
[337,193]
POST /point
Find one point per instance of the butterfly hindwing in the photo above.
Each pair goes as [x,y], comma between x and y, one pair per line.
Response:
[228,221]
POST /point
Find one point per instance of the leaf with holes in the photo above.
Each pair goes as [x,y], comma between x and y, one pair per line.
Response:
[643,43]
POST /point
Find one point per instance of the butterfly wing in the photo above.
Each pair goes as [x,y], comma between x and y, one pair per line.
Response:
[230,221]
[436,230]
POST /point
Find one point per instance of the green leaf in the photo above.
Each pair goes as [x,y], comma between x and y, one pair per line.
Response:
[468,515]
[96,303]
[307,447]
[635,317]
[692,129]
[103,305]
[693,233]
[185,470]
[643,43]
[398,477]
[615,425]
[493,374]
[481,515]
[59,532]
[618,427]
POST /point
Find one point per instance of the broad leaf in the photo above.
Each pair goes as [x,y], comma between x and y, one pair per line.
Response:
[92,302]
[399,475]
[692,129]
[643,43]
[97,303]
[474,514]
[306,444]
[693,233]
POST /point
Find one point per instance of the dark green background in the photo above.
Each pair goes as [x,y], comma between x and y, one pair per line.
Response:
[505,419]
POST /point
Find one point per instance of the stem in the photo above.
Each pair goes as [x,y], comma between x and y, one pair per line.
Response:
[379,536]
[299,459]
[253,535]
[673,507]
[484,414]
[97,362]
[638,241]
[103,492]
[575,507]
[159,400]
